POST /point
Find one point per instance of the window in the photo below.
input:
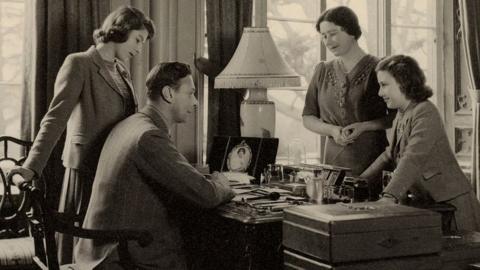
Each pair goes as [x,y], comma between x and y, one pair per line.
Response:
[411,29]
[11,65]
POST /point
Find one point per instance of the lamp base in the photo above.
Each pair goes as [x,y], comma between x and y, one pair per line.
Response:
[257,115]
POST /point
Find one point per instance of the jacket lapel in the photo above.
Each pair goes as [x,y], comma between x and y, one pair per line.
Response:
[394,141]
[102,70]
[123,70]
[402,125]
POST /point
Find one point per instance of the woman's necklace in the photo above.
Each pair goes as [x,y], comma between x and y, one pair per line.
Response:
[343,68]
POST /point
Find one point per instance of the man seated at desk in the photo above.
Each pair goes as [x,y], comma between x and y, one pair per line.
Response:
[141,175]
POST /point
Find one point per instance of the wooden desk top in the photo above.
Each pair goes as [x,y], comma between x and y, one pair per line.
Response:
[257,211]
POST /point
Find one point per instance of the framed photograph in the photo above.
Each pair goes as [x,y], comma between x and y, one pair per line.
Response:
[239,158]
[249,155]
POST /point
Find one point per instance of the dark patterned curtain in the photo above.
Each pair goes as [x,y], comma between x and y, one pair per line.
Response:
[61,27]
[470,18]
[225,22]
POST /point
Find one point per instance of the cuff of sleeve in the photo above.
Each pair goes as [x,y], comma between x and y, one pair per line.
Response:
[35,173]
[390,196]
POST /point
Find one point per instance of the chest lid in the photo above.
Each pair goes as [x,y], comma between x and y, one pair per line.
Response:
[361,217]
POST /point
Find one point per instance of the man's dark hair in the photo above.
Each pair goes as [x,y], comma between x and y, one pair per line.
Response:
[165,74]
[343,17]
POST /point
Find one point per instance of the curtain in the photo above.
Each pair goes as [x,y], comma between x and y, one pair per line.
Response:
[60,27]
[225,22]
[163,46]
[470,20]
[174,40]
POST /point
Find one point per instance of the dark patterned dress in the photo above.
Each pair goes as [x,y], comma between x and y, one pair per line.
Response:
[341,99]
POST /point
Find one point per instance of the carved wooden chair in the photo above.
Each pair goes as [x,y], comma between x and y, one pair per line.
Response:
[45,222]
[16,245]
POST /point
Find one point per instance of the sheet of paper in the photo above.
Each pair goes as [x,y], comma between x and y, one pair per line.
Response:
[238,178]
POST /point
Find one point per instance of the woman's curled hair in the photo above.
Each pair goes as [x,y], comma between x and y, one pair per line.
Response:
[118,24]
[409,76]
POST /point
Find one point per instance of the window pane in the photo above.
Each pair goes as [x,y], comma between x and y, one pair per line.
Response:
[292,25]
[11,65]
[413,13]
[298,44]
[414,34]
[294,9]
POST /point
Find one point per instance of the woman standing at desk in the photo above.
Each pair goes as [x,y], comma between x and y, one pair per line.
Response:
[420,151]
[93,92]
[342,100]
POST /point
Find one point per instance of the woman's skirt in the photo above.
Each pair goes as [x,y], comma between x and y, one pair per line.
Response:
[76,190]
[467,215]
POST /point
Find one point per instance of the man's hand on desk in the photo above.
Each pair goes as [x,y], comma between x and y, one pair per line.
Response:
[217,176]
[388,199]
[223,181]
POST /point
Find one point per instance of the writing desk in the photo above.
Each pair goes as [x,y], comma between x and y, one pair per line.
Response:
[234,236]
[239,236]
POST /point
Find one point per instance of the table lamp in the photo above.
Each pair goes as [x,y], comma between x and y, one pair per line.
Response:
[257,65]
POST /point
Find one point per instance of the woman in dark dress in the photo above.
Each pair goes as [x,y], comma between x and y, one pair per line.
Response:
[342,101]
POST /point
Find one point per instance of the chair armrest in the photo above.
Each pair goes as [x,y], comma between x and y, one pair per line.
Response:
[62,222]
[142,237]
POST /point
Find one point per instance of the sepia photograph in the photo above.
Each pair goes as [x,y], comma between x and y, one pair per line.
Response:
[240,134]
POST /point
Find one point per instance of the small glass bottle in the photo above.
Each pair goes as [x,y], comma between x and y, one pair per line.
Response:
[296,152]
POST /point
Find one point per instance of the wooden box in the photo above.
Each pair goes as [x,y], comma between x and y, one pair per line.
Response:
[361,231]
[294,261]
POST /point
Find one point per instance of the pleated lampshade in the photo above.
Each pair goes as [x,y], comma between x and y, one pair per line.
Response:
[257,65]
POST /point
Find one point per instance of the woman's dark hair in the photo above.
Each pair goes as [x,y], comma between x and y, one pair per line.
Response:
[120,22]
[409,76]
[165,74]
[343,17]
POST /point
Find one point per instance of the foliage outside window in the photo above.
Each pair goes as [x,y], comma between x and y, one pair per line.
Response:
[11,65]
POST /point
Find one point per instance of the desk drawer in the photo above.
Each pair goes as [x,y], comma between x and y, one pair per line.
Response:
[294,261]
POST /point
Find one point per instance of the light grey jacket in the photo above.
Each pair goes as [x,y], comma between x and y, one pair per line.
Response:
[422,155]
[88,104]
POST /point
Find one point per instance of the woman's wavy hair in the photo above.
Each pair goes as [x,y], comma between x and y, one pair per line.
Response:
[343,17]
[409,76]
[118,24]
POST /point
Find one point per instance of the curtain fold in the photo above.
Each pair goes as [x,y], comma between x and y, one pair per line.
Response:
[61,27]
[470,20]
[225,22]
[163,46]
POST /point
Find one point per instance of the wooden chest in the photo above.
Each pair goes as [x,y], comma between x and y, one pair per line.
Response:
[294,261]
[361,231]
